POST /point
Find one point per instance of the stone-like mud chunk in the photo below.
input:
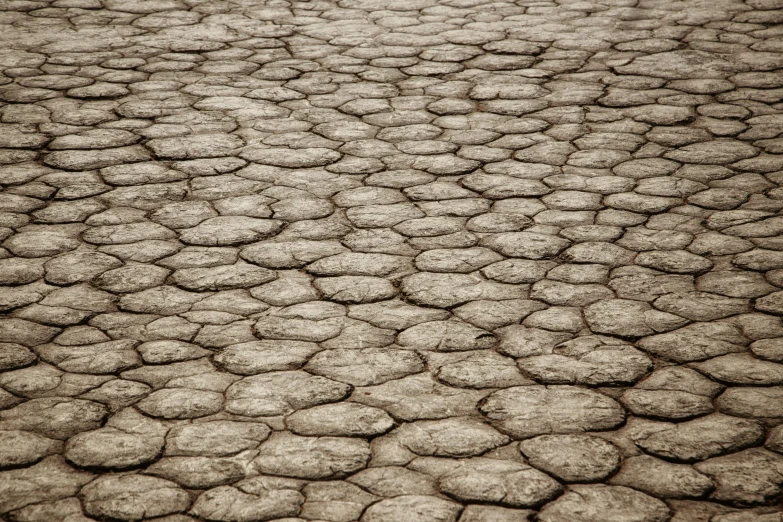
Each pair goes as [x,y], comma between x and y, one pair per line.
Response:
[605,365]
[528,245]
[415,508]
[447,290]
[215,438]
[225,277]
[50,479]
[55,417]
[701,438]
[230,230]
[113,449]
[662,479]
[133,497]
[366,367]
[572,458]
[13,356]
[23,448]
[419,397]
[265,356]
[503,481]
[600,502]
[752,402]
[446,336]
[455,437]
[746,478]
[695,342]
[279,393]
[525,411]
[289,455]
[181,403]
[257,498]
[340,419]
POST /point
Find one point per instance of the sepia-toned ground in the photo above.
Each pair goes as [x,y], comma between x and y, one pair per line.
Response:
[391,260]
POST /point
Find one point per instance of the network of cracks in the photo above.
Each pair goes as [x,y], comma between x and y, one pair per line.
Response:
[391,260]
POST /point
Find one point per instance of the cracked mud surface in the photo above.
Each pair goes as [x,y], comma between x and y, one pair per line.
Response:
[391,260]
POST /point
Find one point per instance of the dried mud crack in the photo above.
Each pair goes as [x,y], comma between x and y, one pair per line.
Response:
[391,260]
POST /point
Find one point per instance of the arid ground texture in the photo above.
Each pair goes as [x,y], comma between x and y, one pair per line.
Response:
[391,260]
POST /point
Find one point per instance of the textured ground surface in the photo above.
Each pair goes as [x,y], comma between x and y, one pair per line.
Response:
[391,260]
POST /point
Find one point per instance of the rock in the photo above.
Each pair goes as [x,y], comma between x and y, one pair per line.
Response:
[565,294]
[298,158]
[768,349]
[682,64]
[622,317]
[525,411]
[100,358]
[311,458]
[132,497]
[360,264]
[164,300]
[772,303]
[198,146]
[43,242]
[601,502]
[598,252]
[666,404]
[355,289]
[96,159]
[713,152]
[79,266]
[290,254]
[335,500]
[480,369]
[395,314]
[161,352]
[456,260]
